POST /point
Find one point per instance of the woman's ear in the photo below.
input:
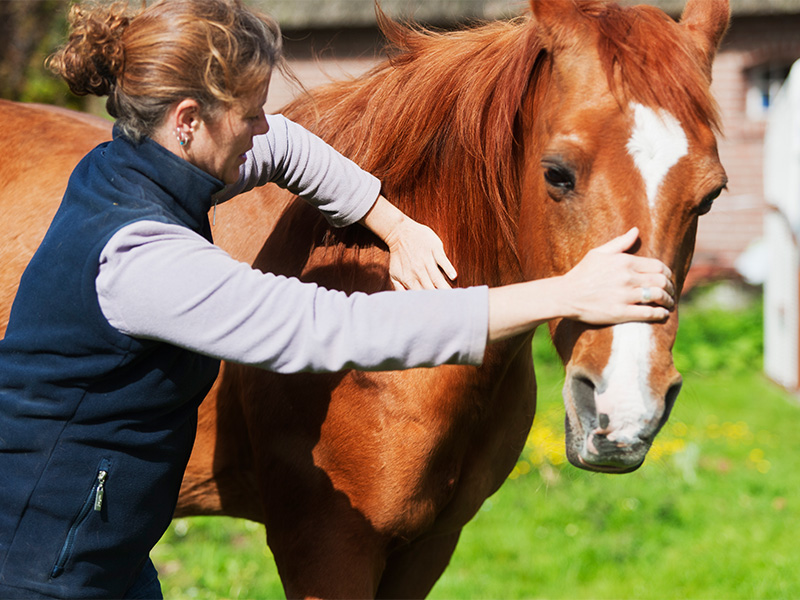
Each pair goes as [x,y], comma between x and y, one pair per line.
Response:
[185,118]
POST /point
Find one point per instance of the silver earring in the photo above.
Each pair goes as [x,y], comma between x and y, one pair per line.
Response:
[182,139]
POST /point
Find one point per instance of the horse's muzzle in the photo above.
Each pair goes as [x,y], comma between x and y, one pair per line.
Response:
[617,442]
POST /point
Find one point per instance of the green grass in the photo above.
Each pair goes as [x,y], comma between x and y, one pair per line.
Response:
[711,514]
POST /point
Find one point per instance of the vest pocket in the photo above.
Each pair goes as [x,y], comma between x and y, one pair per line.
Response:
[93,503]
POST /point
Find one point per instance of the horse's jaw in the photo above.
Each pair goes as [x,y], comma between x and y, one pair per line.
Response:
[613,414]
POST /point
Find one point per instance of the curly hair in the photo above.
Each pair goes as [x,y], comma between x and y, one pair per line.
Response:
[216,52]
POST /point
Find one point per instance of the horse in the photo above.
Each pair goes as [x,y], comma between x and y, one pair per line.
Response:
[523,144]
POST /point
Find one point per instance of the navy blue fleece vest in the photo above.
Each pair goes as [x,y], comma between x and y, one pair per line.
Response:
[95,427]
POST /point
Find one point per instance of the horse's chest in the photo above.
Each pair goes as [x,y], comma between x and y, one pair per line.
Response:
[460,466]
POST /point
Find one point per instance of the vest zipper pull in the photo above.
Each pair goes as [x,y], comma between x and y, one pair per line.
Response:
[101,490]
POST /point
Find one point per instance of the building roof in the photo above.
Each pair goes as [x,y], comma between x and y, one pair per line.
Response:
[300,14]
[335,13]
[741,8]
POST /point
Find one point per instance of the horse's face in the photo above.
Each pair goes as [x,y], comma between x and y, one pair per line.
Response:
[601,166]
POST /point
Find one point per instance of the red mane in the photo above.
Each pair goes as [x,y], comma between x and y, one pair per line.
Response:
[436,123]
[439,122]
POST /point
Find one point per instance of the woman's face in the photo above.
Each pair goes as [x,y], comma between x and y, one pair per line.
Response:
[218,145]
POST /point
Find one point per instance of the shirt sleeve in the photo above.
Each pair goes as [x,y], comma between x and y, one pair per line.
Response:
[296,159]
[163,282]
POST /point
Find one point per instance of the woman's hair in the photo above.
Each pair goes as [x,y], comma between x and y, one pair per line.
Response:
[217,52]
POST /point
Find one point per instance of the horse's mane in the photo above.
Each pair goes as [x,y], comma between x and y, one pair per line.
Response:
[436,123]
[439,122]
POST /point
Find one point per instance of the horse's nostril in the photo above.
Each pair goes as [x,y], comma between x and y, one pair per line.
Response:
[669,402]
[603,420]
[671,397]
[583,396]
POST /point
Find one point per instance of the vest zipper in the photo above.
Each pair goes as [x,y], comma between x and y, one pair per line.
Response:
[93,503]
[100,490]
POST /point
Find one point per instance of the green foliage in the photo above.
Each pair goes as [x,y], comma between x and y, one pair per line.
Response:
[210,557]
[711,338]
[29,33]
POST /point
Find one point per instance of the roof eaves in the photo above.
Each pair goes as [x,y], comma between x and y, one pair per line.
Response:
[301,14]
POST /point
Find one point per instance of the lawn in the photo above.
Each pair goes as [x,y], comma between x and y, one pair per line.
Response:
[710,515]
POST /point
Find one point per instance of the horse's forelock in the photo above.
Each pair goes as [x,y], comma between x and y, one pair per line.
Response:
[656,66]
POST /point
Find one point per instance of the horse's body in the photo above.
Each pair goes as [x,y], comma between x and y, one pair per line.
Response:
[523,144]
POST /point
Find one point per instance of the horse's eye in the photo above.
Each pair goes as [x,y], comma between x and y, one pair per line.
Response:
[559,177]
[705,206]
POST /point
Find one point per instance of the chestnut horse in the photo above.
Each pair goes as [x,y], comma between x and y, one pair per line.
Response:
[523,144]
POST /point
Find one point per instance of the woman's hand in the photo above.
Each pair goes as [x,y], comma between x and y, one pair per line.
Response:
[607,287]
[416,255]
[416,258]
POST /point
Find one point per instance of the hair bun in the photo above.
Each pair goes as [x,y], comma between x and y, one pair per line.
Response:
[94,56]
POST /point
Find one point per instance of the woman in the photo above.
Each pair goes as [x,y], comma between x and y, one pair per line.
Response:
[127,307]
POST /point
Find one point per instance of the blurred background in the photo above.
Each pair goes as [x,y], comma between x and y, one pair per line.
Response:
[712,513]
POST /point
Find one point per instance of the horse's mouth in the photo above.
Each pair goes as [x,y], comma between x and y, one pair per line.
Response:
[593,452]
[596,441]
[618,466]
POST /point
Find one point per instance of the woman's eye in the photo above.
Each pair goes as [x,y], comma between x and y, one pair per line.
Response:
[560,177]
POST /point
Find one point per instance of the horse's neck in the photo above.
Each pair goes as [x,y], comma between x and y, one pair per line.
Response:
[459,178]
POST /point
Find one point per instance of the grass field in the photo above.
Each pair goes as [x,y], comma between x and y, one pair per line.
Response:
[711,514]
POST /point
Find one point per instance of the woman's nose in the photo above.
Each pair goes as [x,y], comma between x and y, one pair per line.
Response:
[261,125]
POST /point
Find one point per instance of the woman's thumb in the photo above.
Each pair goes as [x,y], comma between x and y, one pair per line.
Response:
[621,243]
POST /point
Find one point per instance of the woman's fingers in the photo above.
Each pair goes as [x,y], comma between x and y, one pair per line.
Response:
[417,259]
[653,296]
[646,313]
[654,289]
[647,265]
[445,266]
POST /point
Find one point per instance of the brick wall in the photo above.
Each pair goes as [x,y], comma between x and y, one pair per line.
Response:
[737,218]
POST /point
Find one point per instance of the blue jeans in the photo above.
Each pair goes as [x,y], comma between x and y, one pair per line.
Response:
[147,586]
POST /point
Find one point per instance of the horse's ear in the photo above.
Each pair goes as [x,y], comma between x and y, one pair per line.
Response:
[707,21]
[556,19]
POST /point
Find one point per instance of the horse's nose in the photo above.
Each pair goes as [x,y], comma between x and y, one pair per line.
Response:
[610,428]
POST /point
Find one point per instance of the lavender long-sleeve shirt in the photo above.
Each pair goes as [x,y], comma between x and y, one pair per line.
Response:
[162,281]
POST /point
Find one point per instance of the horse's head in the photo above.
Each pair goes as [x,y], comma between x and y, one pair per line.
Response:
[622,136]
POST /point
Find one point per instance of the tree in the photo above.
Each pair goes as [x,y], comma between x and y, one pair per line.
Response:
[29,31]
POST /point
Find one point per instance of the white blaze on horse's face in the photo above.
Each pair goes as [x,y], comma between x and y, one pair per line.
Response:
[624,393]
[656,144]
[623,396]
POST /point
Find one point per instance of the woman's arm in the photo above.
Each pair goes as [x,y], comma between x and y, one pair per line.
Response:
[162,281]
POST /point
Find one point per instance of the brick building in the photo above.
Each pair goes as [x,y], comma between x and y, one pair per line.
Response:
[755,59]
[335,38]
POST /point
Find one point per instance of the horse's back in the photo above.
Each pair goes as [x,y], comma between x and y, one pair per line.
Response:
[40,146]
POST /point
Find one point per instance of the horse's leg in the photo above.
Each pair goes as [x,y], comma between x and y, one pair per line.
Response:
[329,555]
[219,478]
[412,571]
[323,546]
